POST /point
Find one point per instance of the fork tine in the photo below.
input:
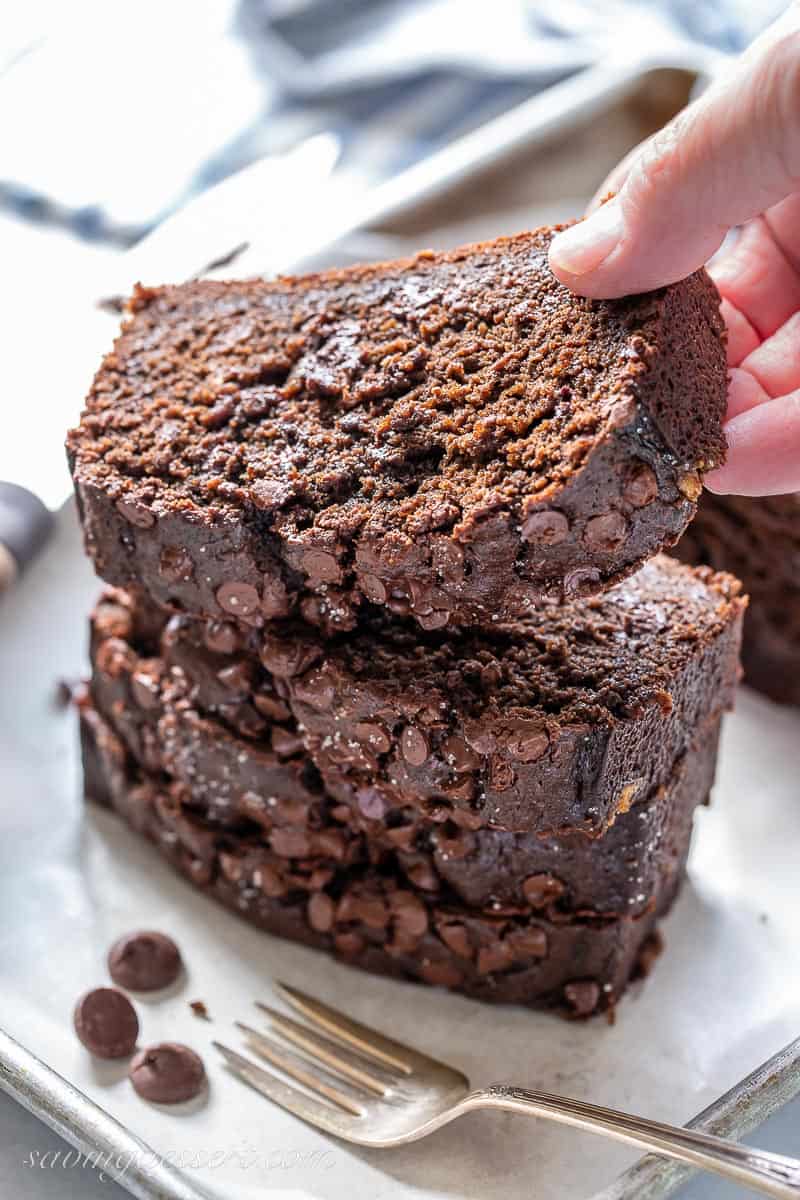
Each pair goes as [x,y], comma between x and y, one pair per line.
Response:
[298,1068]
[322,1049]
[325,1116]
[374,1045]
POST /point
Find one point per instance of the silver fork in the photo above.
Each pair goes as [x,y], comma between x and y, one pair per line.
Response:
[366,1088]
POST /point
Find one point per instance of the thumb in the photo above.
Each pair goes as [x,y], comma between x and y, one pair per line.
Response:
[725,159]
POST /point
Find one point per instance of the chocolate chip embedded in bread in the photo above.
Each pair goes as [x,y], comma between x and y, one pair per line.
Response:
[641,486]
[545,527]
[605,532]
[137,514]
[583,996]
[321,912]
[414,746]
[542,889]
[238,598]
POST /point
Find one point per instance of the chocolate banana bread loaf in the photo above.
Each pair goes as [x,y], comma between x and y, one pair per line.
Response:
[451,437]
[265,781]
[371,917]
[758,539]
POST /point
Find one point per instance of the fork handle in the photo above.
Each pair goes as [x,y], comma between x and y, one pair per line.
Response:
[770,1174]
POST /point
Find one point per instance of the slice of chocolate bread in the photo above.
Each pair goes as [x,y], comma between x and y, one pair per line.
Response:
[560,722]
[758,539]
[267,784]
[373,918]
[453,436]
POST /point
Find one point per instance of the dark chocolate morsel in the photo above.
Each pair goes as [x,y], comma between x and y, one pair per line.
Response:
[583,996]
[106,1022]
[144,961]
[545,527]
[238,599]
[167,1073]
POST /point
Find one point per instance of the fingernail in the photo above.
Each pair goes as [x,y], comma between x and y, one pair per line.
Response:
[583,247]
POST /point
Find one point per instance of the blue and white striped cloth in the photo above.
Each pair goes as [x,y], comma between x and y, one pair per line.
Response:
[112,118]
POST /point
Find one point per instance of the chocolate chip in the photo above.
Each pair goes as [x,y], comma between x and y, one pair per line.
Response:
[641,487]
[199,1009]
[458,755]
[526,744]
[461,790]
[269,881]
[321,567]
[348,944]
[440,974]
[497,956]
[371,911]
[238,598]
[321,912]
[414,746]
[410,914]
[541,890]
[316,688]
[423,876]
[374,735]
[106,1023]
[220,637]
[168,1073]
[175,564]
[582,995]
[605,532]
[144,961]
[545,527]
[527,941]
[136,514]
[287,658]
[285,743]
[373,589]
[329,843]
[271,707]
[455,936]
[289,843]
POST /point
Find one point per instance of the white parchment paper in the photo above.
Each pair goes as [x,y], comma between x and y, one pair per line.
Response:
[724,995]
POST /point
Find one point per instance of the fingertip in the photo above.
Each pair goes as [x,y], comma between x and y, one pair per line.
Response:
[763,444]
[580,249]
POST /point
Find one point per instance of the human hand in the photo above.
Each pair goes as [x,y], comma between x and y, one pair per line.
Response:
[732,159]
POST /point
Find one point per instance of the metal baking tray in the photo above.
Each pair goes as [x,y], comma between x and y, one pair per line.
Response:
[722,1000]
